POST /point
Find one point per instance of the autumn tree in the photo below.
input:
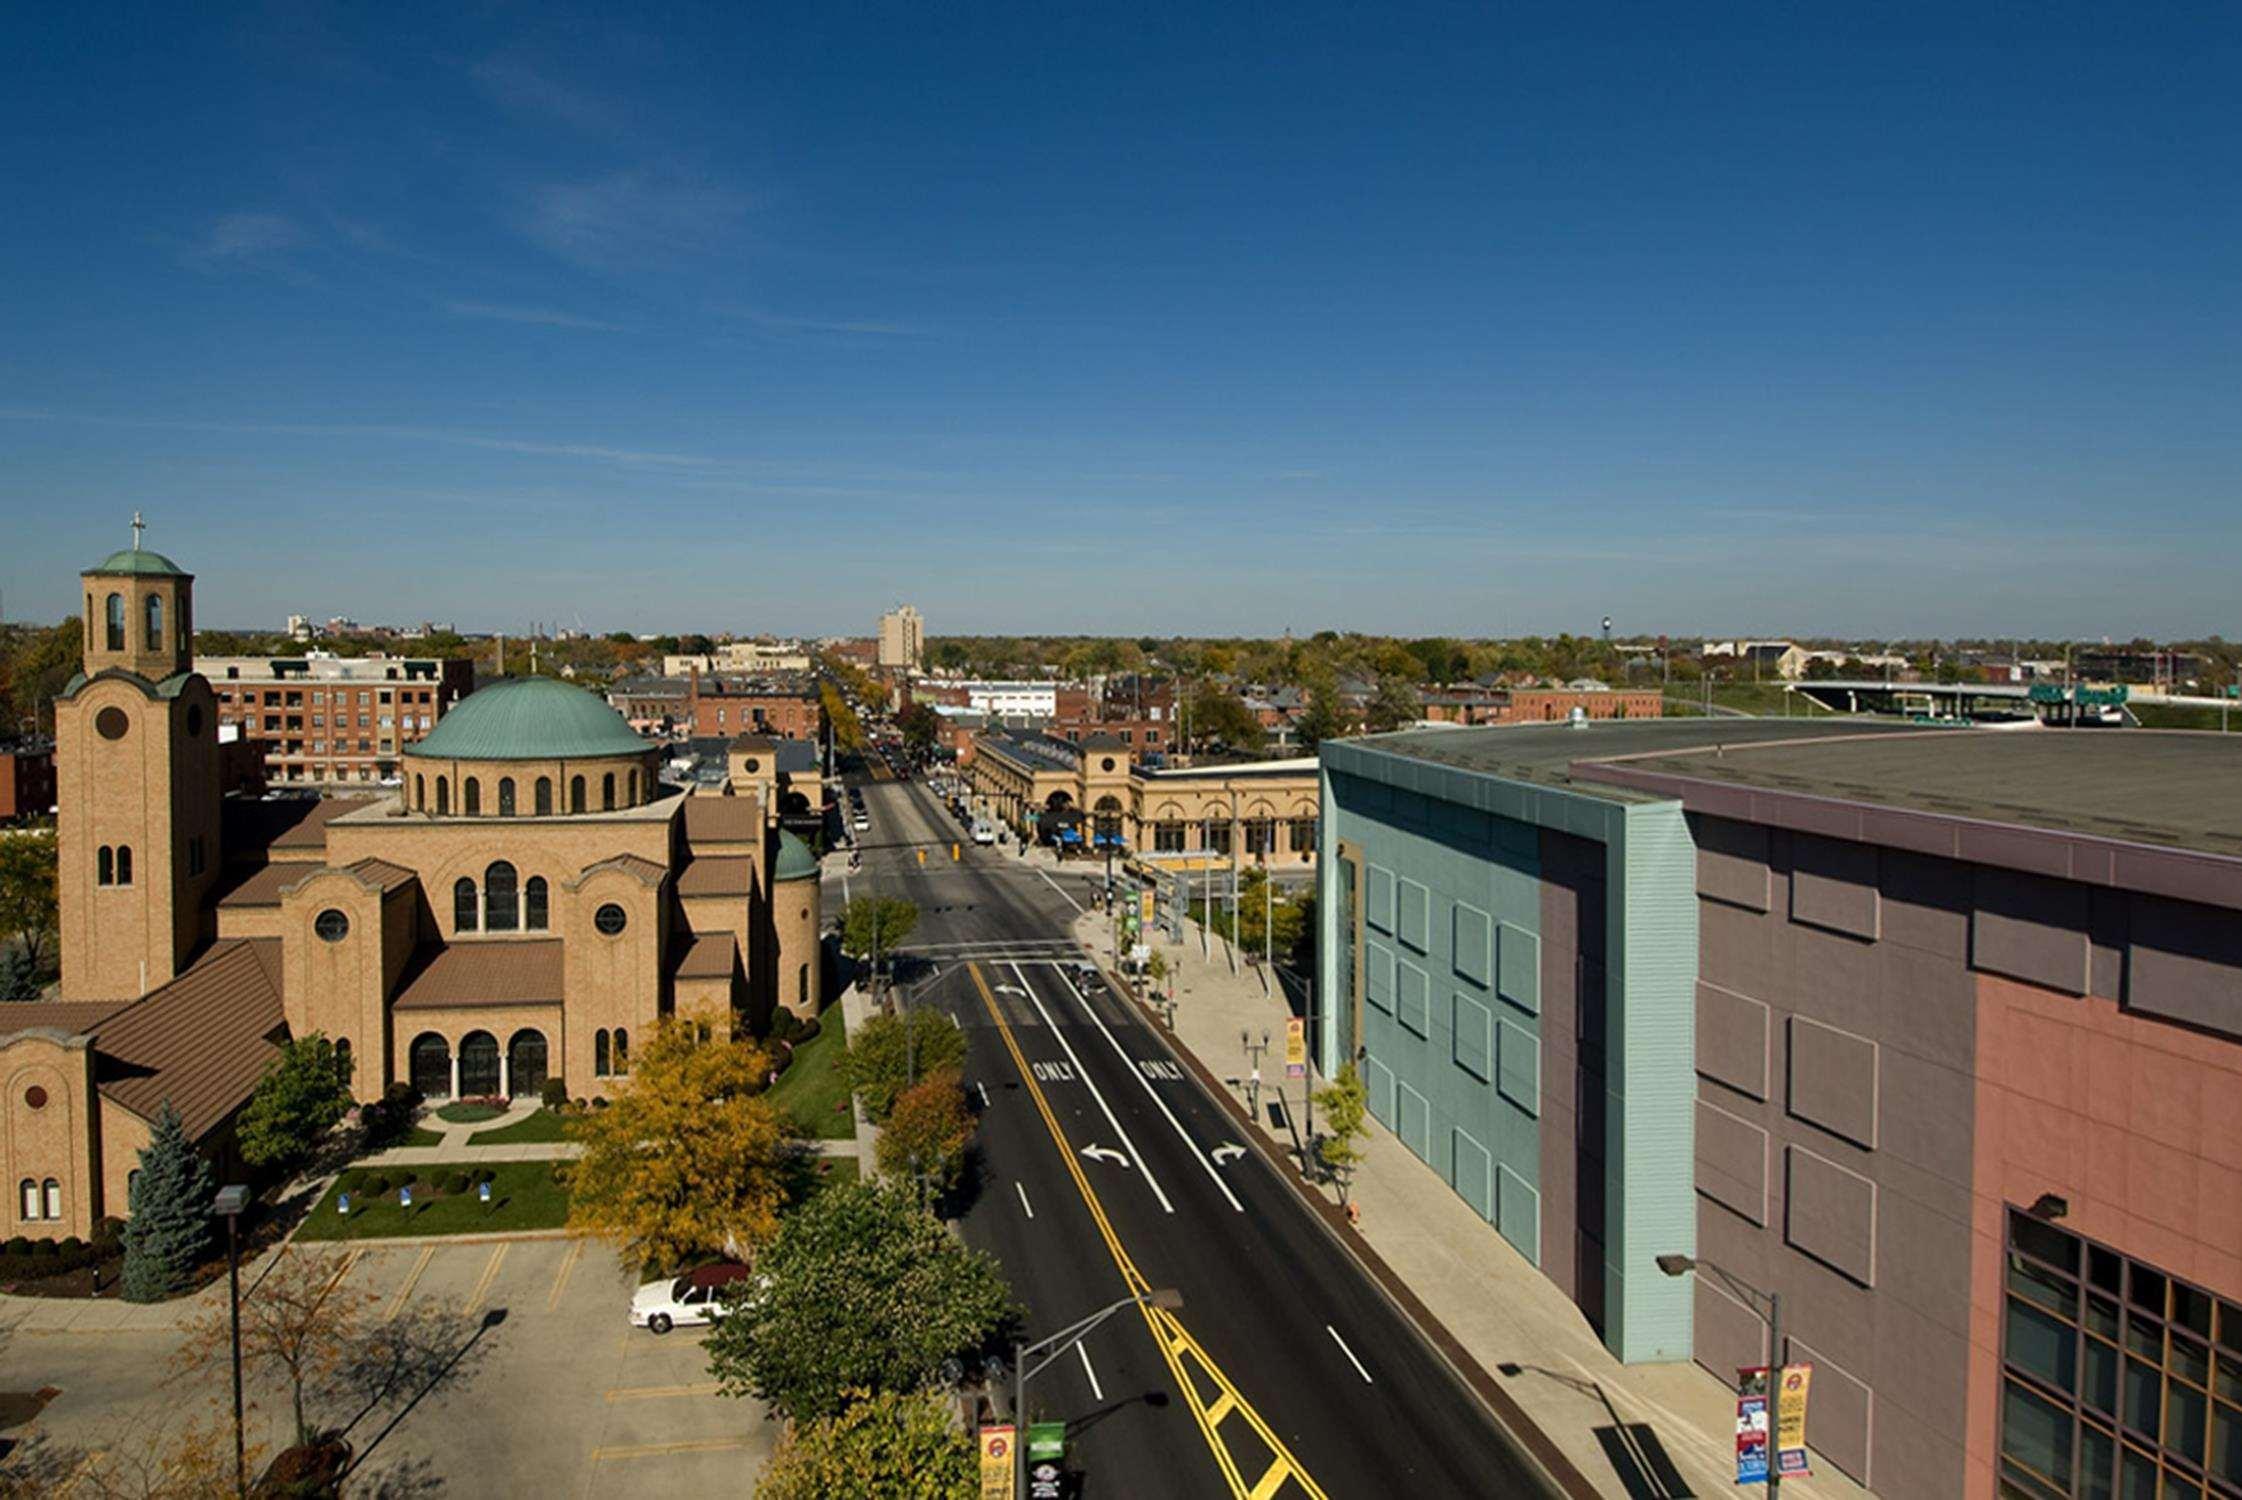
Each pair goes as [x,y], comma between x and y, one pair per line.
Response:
[299,1322]
[862,1291]
[926,1133]
[687,1160]
[1346,1108]
[27,897]
[888,1053]
[881,1446]
[304,1093]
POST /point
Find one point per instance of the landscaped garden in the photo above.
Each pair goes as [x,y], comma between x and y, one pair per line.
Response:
[810,1092]
[471,1111]
[446,1199]
[542,1128]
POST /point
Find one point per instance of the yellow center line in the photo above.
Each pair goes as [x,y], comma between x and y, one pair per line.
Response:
[1167,1331]
[659,1450]
[662,1392]
[412,1279]
[560,1277]
[490,1274]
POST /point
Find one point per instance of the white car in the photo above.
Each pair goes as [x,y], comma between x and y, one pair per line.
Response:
[860,823]
[697,1297]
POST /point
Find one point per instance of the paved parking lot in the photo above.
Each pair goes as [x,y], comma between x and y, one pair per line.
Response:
[554,1392]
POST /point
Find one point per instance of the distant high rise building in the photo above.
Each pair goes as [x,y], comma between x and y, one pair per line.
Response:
[902,638]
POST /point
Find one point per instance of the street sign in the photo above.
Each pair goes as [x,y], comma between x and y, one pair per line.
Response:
[1047,1442]
[1751,1425]
[996,1463]
[1295,1047]
[1044,1481]
[1790,1421]
[1146,908]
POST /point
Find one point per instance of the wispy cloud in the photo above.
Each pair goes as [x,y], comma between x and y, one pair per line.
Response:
[520,86]
[544,317]
[631,218]
[245,239]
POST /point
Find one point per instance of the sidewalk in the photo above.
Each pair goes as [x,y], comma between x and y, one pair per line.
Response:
[856,1009]
[1527,1337]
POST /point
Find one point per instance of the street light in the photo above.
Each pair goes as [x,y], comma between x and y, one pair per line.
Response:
[1166,1298]
[1682,1265]
[229,1203]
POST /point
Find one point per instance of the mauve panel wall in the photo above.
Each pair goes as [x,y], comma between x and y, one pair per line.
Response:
[1833,884]
[2186,963]
[1833,1080]
[2032,928]
[1830,1213]
[1732,1039]
[1732,1161]
[1731,861]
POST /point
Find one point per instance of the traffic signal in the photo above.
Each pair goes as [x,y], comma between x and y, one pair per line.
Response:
[954,855]
[922,856]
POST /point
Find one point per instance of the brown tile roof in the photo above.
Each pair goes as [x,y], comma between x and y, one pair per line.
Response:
[636,864]
[495,972]
[710,956]
[382,873]
[731,875]
[201,1041]
[723,820]
[68,1016]
[261,886]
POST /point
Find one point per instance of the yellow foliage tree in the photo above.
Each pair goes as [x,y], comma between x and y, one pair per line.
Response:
[687,1160]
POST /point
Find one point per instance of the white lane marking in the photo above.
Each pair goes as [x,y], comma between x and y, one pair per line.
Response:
[1182,1134]
[1097,1391]
[1228,1153]
[1069,900]
[1024,1204]
[1343,1349]
[845,897]
[1104,1153]
[1084,1073]
[983,1090]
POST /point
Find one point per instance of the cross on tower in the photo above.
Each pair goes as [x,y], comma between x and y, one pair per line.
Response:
[138,526]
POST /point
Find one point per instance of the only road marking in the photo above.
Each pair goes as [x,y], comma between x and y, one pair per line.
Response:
[1105,1153]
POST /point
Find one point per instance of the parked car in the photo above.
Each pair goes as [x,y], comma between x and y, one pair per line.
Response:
[696,1297]
[860,823]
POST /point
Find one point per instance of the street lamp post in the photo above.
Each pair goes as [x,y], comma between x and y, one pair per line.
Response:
[229,1203]
[1682,1265]
[1046,1350]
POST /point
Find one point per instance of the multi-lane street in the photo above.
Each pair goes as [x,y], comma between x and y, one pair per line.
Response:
[1105,1169]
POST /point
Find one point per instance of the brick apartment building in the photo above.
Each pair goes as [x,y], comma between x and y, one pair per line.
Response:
[26,782]
[1483,705]
[334,720]
[787,708]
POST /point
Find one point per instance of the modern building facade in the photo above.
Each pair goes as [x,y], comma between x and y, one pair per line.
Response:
[1938,1034]
[529,899]
[334,720]
[902,639]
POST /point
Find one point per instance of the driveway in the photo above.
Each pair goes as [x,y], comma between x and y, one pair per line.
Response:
[552,1392]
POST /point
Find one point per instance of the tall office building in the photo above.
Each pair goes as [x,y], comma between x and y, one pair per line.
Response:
[902,638]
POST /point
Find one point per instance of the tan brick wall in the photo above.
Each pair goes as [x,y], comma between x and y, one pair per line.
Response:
[340,989]
[796,920]
[611,981]
[124,1135]
[455,1023]
[705,1002]
[422,775]
[53,1141]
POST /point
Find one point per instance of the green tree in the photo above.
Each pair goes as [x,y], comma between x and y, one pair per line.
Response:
[170,1208]
[1321,720]
[848,731]
[1394,706]
[921,726]
[27,895]
[926,1133]
[861,1291]
[888,1052]
[1346,1107]
[885,1446]
[304,1094]
[1223,716]
[876,925]
[19,975]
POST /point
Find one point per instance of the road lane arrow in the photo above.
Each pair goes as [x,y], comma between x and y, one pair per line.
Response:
[1105,1153]
[1010,989]
[1224,1155]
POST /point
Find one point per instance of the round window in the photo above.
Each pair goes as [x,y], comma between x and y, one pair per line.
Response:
[35,1096]
[610,919]
[112,723]
[753,765]
[194,721]
[331,925]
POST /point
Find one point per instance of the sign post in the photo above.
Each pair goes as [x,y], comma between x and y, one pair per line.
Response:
[1751,1425]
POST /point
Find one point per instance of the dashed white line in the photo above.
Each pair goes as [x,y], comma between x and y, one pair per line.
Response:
[983,1090]
[1110,1118]
[1069,900]
[1343,1349]
[1024,1204]
[1097,1391]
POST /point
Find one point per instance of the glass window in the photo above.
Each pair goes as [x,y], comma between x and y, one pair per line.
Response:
[155,622]
[535,904]
[2100,1390]
[105,866]
[2226,1445]
[1303,835]
[114,626]
[2144,1410]
[2036,1434]
[599,1053]
[2185,1416]
[124,864]
[53,1190]
[443,797]
[544,796]
[2042,1345]
[2097,1456]
[622,1050]
[576,794]
[29,1192]
[465,910]
[501,898]
[607,792]
[505,796]
[472,803]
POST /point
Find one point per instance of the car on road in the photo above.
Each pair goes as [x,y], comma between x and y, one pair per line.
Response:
[984,831]
[860,823]
[697,1297]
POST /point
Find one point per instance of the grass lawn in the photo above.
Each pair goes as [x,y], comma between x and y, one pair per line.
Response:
[523,1195]
[420,1135]
[545,1125]
[468,1114]
[810,1091]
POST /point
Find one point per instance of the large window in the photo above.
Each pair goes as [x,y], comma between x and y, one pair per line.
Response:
[466,912]
[2118,1379]
[1167,837]
[114,627]
[575,794]
[471,802]
[1218,835]
[607,792]
[1261,836]
[1303,835]
[536,904]
[544,796]
[505,796]
[502,911]
[155,622]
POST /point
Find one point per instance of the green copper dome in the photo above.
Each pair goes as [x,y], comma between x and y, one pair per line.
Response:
[137,560]
[794,862]
[528,718]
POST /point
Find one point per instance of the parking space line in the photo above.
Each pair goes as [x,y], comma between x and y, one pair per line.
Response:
[490,1274]
[412,1279]
[662,1392]
[658,1450]
[560,1277]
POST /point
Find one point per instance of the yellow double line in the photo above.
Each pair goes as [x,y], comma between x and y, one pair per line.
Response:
[1177,1346]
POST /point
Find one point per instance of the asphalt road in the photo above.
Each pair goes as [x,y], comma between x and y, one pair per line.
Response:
[1319,1360]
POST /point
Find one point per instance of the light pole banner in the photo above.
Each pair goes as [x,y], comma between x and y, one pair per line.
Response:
[1751,1425]
[996,1463]
[1295,1047]
[1790,1422]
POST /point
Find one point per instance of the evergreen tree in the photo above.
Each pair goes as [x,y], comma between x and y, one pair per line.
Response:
[305,1092]
[170,1223]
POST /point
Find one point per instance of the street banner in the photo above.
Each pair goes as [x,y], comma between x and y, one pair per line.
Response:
[1146,913]
[1751,1425]
[1790,1422]
[1047,1440]
[1295,1047]
[996,1463]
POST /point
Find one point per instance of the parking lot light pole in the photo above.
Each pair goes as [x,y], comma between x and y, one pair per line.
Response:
[1045,1350]
[1682,1265]
[229,1203]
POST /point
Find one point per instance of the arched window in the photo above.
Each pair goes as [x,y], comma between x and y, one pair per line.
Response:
[576,794]
[30,1198]
[342,1055]
[622,1050]
[471,798]
[607,792]
[536,906]
[420,792]
[155,622]
[443,798]
[53,1190]
[631,791]
[599,1053]
[502,910]
[115,631]
[124,864]
[464,908]
[802,985]
[544,796]
[104,866]
[132,1187]
[505,796]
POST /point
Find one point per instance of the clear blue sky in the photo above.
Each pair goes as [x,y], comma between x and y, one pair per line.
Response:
[1492,319]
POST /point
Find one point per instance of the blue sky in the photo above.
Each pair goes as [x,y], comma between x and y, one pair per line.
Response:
[1869,319]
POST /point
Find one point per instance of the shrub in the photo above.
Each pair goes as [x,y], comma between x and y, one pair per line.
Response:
[809,1031]
[454,1182]
[785,1025]
[374,1184]
[108,1231]
[582,1105]
[486,1174]
[45,1249]
[554,1094]
[19,1245]
[72,1245]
